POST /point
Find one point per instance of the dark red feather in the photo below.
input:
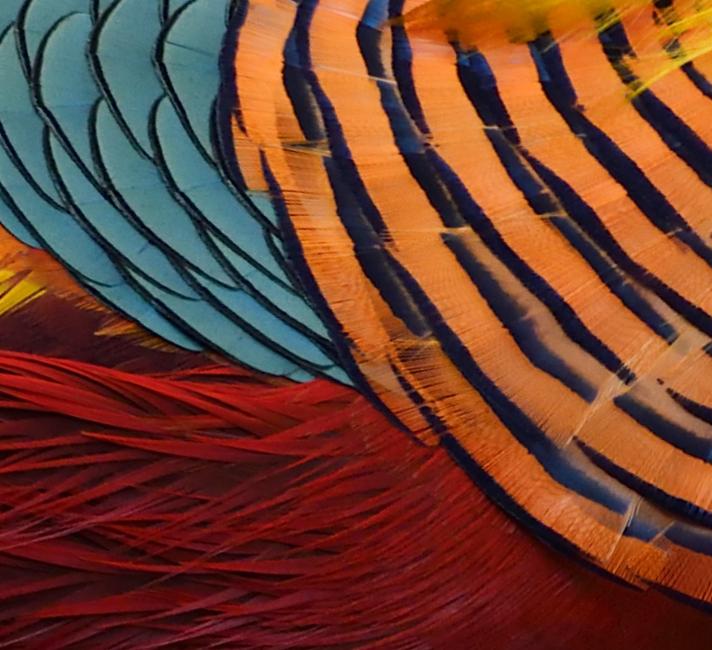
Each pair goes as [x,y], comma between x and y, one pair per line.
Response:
[210,507]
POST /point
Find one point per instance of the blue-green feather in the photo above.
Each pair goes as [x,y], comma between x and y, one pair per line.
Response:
[108,160]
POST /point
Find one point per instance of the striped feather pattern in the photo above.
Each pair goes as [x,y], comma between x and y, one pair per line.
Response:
[109,160]
[510,230]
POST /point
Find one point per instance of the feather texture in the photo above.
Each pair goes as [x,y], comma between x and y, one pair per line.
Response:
[108,160]
[206,506]
[490,218]
[512,230]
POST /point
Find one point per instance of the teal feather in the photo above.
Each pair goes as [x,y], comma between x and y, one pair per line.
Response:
[118,177]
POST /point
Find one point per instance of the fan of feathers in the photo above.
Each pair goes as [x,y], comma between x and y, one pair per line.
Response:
[354,324]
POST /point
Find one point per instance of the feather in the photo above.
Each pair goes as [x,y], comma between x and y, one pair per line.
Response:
[210,506]
[510,225]
[99,143]
[301,285]
[475,22]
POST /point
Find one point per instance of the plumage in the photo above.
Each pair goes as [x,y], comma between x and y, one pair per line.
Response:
[290,291]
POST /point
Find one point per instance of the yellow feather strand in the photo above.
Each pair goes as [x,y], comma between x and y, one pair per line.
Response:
[17,289]
[28,274]
[484,23]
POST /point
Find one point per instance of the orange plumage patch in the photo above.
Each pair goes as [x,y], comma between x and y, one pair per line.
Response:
[511,227]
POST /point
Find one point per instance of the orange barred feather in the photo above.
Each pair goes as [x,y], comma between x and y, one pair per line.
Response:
[151,497]
[507,209]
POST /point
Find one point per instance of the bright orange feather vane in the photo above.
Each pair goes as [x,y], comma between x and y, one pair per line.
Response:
[356,324]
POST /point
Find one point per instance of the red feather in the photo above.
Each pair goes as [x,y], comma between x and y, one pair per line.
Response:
[210,507]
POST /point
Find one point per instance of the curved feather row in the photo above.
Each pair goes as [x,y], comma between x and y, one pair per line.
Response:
[108,160]
[503,231]
[513,232]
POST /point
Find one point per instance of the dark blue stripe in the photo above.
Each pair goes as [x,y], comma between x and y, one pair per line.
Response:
[700,411]
[522,328]
[696,539]
[558,88]
[647,490]
[299,92]
[480,86]
[436,424]
[402,62]
[676,134]
[677,436]
[697,78]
